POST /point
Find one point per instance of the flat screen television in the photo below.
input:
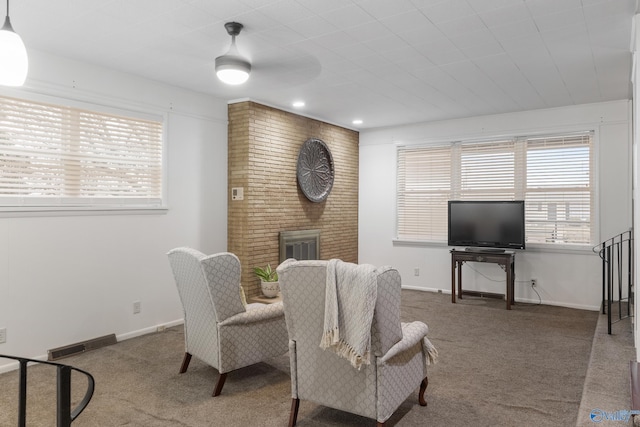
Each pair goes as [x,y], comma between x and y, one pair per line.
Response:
[486,224]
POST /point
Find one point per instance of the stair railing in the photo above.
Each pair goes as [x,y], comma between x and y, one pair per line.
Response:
[617,276]
[64,415]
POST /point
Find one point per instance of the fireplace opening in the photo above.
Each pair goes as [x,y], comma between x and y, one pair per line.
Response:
[300,244]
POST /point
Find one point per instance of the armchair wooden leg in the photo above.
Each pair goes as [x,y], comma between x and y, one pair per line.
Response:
[185,362]
[423,388]
[219,384]
[379,424]
[295,404]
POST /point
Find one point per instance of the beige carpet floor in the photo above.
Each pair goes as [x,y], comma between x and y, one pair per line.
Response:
[524,367]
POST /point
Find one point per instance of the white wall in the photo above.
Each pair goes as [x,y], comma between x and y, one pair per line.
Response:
[65,279]
[571,279]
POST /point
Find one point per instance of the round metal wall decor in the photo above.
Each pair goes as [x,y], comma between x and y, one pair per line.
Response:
[315,170]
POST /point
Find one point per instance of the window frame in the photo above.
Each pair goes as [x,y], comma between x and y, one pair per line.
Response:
[84,206]
[531,246]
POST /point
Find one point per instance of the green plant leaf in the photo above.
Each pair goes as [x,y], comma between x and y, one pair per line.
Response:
[267,274]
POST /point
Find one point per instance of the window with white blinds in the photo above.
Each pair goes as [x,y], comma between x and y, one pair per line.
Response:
[559,201]
[424,186]
[553,174]
[60,156]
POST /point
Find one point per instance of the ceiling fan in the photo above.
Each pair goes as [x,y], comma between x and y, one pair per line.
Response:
[232,68]
[280,65]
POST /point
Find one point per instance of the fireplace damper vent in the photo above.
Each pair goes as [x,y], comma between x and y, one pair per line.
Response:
[300,244]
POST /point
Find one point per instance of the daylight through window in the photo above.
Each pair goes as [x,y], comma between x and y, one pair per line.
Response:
[59,156]
[552,174]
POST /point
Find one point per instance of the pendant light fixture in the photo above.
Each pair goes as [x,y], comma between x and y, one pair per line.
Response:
[232,68]
[14,62]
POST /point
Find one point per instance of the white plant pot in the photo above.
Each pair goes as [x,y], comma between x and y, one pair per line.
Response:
[270,289]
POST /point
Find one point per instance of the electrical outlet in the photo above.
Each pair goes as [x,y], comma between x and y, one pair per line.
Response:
[416,271]
[161,328]
[3,335]
[534,283]
[137,307]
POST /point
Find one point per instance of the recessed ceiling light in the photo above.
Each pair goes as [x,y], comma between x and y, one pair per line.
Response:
[357,122]
[298,104]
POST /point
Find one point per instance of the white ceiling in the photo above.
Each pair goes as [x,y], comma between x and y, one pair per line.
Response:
[386,62]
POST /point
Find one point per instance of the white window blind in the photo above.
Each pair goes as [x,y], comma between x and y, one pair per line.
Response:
[424,186]
[559,200]
[552,174]
[62,156]
[487,171]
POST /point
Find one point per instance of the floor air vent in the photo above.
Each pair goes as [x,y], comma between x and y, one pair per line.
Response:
[81,347]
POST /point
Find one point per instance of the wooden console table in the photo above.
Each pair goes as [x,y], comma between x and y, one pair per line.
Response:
[506,260]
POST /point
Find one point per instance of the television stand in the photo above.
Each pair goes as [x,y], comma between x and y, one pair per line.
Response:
[485,250]
[506,261]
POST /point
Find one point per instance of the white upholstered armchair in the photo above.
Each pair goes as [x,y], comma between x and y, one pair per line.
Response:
[218,328]
[398,354]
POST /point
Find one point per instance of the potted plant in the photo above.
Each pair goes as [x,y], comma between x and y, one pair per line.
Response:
[268,281]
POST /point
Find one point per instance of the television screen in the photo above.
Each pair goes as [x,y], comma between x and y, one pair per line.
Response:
[486,224]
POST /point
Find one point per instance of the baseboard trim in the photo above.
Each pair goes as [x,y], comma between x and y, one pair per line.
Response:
[420,288]
[149,330]
[12,366]
[523,300]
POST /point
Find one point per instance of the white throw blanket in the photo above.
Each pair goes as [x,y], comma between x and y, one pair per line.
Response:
[350,299]
[430,353]
[412,333]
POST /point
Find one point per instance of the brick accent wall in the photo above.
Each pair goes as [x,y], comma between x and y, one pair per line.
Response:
[263,152]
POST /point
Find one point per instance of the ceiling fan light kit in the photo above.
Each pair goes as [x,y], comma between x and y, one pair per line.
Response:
[232,68]
[14,63]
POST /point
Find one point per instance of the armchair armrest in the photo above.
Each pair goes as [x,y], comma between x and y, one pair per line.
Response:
[412,334]
[255,313]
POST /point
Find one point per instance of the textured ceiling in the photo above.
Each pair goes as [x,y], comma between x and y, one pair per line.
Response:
[386,62]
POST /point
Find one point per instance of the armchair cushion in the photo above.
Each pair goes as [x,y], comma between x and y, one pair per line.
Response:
[255,313]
